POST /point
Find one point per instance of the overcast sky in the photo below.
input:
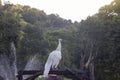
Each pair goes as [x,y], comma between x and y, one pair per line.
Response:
[68,9]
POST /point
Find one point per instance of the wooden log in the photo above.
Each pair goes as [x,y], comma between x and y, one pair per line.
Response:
[74,74]
[20,75]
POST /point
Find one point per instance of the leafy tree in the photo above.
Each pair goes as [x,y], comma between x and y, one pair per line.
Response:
[9,27]
[0,3]
[32,15]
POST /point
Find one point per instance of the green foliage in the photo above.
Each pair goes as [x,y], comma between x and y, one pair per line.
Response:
[9,27]
[0,3]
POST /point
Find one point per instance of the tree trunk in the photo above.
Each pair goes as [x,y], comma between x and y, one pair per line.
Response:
[91,69]
[82,60]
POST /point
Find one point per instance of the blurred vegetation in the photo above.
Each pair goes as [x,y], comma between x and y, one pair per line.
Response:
[35,32]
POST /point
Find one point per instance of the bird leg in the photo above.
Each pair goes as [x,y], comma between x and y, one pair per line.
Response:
[54,68]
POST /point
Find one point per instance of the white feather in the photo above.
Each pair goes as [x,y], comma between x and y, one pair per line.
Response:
[53,59]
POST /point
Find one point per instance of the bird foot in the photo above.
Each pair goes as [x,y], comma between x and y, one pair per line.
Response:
[54,68]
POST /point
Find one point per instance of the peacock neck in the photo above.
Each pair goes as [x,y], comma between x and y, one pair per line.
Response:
[59,46]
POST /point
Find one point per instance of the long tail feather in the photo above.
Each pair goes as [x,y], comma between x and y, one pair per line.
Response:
[47,68]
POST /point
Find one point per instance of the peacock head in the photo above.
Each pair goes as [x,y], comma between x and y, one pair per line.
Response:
[60,40]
